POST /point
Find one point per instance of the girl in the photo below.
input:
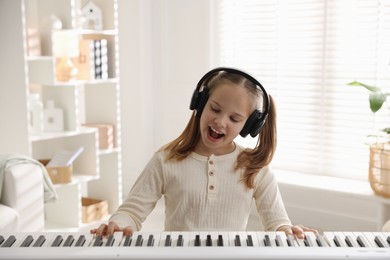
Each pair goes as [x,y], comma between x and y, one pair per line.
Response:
[207,180]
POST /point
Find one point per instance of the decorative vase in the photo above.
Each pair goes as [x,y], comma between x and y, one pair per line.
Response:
[379,168]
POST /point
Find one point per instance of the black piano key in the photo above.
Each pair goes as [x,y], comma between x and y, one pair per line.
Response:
[180,241]
[348,240]
[361,242]
[308,241]
[249,241]
[139,240]
[267,240]
[9,242]
[127,241]
[110,241]
[336,240]
[290,240]
[321,241]
[220,240]
[57,241]
[27,241]
[379,241]
[388,240]
[197,241]
[1,239]
[98,241]
[168,240]
[80,241]
[150,240]
[69,241]
[237,240]
[39,242]
[278,240]
[209,241]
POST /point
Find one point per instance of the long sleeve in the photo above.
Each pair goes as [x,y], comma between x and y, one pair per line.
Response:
[269,201]
[142,198]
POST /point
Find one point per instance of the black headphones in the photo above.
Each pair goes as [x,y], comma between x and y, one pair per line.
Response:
[255,121]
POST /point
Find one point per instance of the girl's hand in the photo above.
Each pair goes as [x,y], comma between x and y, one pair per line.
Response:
[297,230]
[110,228]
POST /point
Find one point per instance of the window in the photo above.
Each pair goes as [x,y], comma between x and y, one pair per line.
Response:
[304,52]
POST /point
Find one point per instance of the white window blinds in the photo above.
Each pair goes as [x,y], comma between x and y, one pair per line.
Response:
[304,52]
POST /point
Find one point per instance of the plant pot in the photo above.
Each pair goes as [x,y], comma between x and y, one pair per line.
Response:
[379,168]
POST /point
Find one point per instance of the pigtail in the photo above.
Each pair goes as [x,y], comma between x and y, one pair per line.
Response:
[252,160]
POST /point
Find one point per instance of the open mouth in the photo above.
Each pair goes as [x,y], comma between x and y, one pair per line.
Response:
[215,134]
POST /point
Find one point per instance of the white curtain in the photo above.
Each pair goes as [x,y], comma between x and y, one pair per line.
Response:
[304,52]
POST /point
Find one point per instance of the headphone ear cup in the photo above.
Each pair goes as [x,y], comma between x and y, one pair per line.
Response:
[194,100]
[201,101]
[253,124]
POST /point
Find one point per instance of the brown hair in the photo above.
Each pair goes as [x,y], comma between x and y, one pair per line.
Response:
[250,160]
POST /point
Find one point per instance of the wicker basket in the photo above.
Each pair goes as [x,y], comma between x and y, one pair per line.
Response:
[379,169]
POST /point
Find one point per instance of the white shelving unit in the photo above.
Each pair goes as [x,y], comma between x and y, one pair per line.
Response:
[96,173]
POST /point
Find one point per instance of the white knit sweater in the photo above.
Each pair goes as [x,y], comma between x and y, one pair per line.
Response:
[202,194]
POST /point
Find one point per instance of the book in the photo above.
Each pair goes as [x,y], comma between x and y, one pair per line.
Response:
[85,63]
[65,157]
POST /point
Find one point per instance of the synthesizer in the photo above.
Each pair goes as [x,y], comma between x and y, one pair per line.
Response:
[195,245]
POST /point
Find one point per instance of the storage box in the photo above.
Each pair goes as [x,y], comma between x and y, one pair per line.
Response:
[93,209]
[59,174]
[106,135]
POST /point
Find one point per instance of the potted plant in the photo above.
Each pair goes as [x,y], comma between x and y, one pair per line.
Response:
[379,167]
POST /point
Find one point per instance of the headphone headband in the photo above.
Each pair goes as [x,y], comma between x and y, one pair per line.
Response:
[208,75]
[254,122]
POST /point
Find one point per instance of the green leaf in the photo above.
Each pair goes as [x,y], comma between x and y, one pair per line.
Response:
[368,87]
[377,100]
[386,130]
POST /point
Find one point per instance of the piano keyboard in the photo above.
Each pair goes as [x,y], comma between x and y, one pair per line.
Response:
[195,245]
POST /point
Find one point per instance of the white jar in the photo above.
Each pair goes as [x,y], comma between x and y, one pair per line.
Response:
[36,113]
[53,118]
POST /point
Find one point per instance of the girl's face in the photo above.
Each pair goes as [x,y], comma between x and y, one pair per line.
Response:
[222,119]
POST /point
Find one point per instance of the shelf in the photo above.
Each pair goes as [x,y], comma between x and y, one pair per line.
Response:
[55,135]
[109,151]
[39,66]
[83,101]
[78,179]
[108,32]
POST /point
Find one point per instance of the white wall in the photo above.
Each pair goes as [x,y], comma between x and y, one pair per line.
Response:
[164,51]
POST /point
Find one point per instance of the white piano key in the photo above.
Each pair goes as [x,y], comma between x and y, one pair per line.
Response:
[382,238]
[310,238]
[237,239]
[321,239]
[300,242]
[340,239]
[350,239]
[281,239]
[292,242]
[192,238]
[116,239]
[19,237]
[260,238]
[271,238]
[386,235]
[163,239]
[370,238]
[329,238]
